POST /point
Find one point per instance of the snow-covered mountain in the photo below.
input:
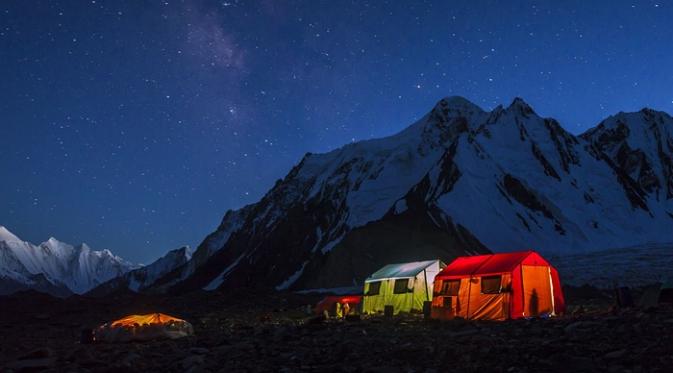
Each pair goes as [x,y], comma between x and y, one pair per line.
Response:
[54,266]
[142,278]
[459,180]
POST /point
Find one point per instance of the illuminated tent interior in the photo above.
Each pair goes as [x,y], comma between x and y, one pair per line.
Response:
[337,305]
[143,328]
[498,287]
[403,286]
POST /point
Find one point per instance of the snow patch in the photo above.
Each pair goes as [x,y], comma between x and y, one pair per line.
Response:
[292,279]
[401,206]
[220,278]
[330,245]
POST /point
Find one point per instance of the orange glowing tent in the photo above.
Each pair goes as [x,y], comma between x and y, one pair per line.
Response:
[498,287]
[143,328]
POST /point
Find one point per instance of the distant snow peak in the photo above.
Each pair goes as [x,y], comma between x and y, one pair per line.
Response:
[139,279]
[75,268]
[6,235]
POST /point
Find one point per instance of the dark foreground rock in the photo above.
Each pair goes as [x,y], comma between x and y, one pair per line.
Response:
[271,332]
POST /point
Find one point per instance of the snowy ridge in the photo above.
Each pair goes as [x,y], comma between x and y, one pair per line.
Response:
[506,180]
[76,268]
[141,278]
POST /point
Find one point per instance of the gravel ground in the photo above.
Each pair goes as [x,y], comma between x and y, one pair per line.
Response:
[271,332]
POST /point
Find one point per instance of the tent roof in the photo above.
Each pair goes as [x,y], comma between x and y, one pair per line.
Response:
[401,270]
[149,319]
[491,263]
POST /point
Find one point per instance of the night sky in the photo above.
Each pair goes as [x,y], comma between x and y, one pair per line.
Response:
[134,125]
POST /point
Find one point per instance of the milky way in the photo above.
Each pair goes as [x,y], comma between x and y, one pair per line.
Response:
[135,125]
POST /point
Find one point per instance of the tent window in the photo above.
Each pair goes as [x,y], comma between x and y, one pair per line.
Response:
[374,288]
[450,287]
[402,286]
[491,285]
[447,302]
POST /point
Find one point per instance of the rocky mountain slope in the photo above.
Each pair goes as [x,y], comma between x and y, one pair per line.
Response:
[456,182]
[142,278]
[54,266]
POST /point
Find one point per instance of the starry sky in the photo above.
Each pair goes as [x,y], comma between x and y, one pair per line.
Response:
[134,125]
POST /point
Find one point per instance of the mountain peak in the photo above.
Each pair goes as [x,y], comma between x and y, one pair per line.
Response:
[6,235]
[520,106]
[643,118]
[454,106]
[457,103]
[660,115]
[54,242]
[185,251]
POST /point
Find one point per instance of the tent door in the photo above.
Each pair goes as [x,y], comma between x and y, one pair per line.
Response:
[537,291]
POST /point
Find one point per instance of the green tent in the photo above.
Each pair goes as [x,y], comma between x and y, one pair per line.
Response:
[404,286]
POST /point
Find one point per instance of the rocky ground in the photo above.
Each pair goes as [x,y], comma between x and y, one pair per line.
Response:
[254,332]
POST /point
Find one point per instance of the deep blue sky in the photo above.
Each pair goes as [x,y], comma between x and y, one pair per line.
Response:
[135,125]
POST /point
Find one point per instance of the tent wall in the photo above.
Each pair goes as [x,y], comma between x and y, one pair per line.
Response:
[516,304]
[422,290]
[387,297]
[487,306]
[471,303]
[421,285]
[559,300]
[448,307]
[537,292]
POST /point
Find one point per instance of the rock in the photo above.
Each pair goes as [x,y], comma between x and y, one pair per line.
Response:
[31,364]
[199,350]
[130,359]
[580,326]
[617,368]
[615,354]
[464,333]
[578,364]
[192,361]
[92,363]
[41,358]
[316,320]
[39,353]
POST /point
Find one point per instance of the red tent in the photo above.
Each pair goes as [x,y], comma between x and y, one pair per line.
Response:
[333,304]
[498,287]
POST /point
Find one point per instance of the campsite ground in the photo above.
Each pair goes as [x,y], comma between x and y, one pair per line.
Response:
[254,332]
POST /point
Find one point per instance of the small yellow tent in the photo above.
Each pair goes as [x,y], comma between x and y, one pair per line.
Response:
[404,286]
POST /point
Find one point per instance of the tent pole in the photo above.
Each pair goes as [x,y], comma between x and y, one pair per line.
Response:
[469,290]
[551,286]
[425,277]
[523,293]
